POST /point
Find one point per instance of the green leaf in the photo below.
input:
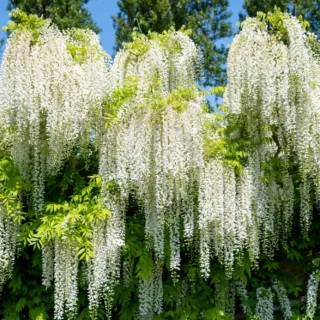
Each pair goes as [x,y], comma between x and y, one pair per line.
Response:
[21,304]
[144,268]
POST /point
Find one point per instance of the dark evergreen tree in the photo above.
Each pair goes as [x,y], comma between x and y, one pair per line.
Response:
[64,13]
[1,45]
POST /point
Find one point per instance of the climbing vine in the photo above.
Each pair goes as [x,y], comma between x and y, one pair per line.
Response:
[130,200]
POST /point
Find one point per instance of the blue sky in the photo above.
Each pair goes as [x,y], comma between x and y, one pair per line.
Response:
[102,10]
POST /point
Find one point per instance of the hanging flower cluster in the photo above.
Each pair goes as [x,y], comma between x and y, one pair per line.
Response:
[60,266]
[56,87]
[283,300]
[9,232]
[238,213]
[151,295]
[155,152]
[104,269]
[154,149]
[273,85]
[312,294]
[11,216]
[65,280]
[264,307]
[52,85]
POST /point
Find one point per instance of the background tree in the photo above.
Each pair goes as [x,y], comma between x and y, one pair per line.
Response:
[1,45]
[208,20]
[308,9]
[64,13]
